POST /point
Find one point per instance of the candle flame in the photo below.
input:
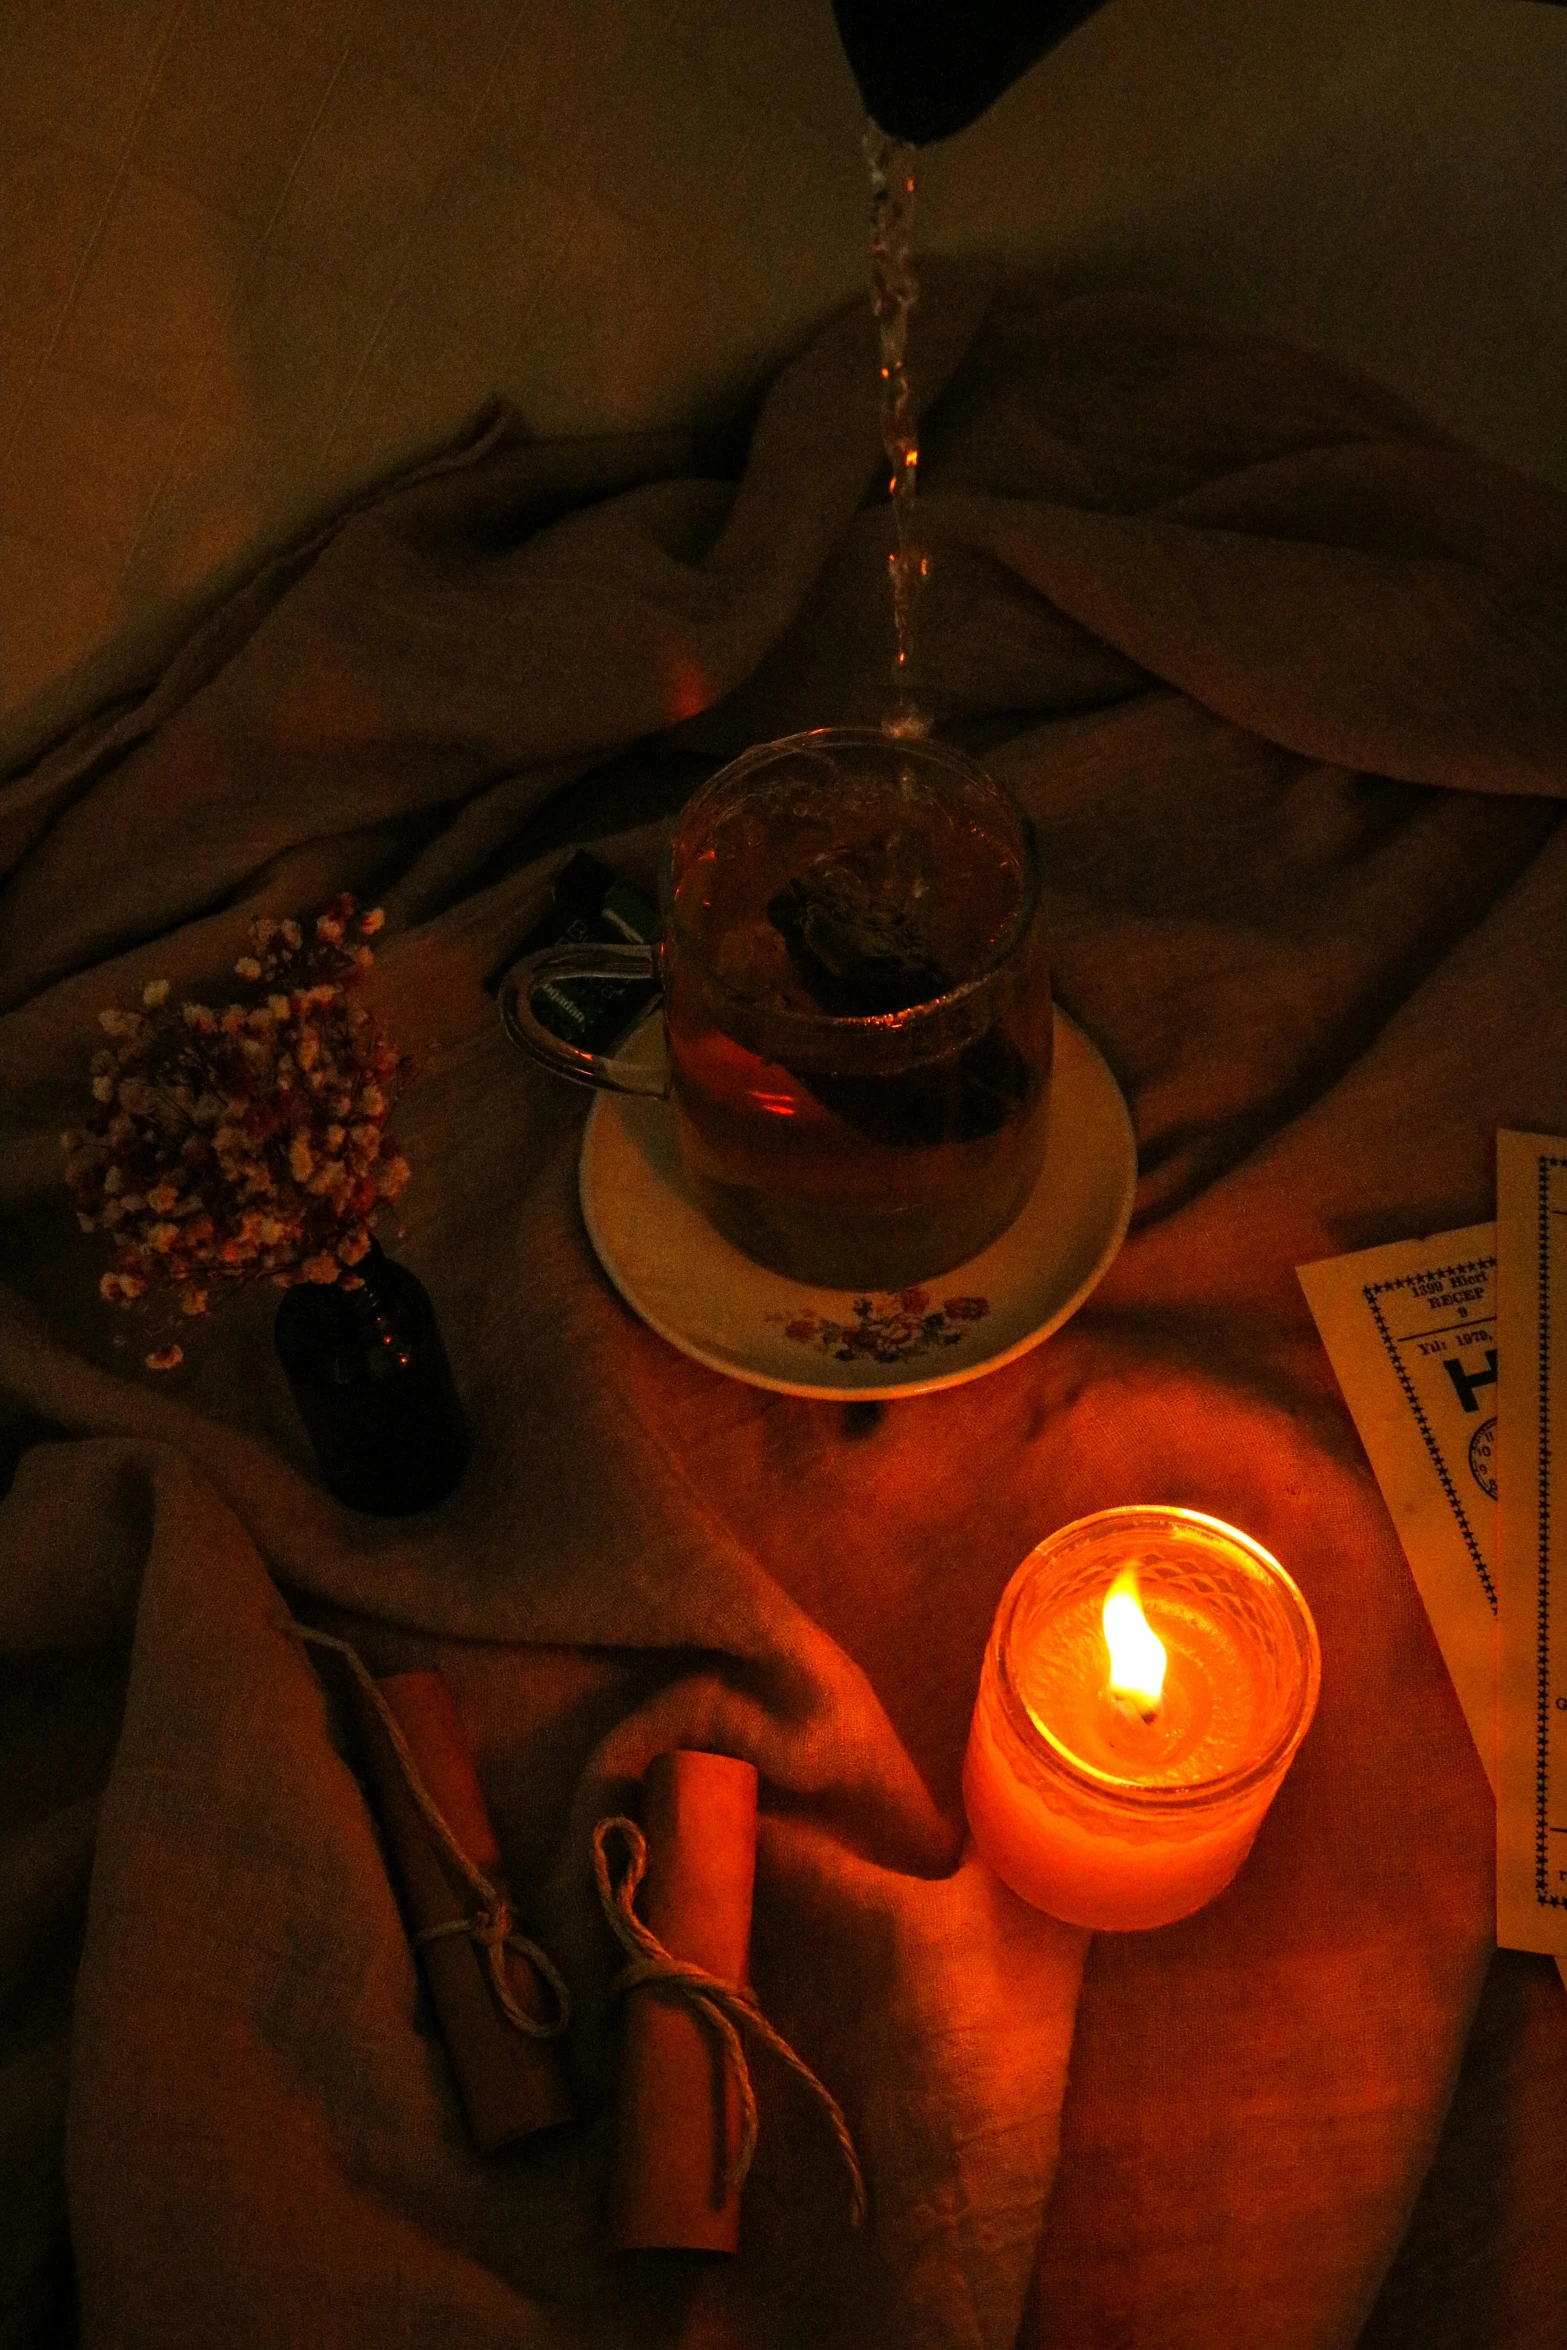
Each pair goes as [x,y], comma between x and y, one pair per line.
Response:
[1137,1657]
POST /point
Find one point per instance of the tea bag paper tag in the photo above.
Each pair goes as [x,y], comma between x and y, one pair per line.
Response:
[1531,1857]
[1410,1330]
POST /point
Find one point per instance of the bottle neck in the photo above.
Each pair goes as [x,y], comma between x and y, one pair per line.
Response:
[379,1307]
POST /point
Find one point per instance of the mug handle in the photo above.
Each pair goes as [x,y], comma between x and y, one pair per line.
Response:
[609,1072]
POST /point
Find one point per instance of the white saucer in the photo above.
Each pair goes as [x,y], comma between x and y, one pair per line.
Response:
[690,1285]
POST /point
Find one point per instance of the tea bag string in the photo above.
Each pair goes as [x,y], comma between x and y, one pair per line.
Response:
[491,1926]
[724,2008]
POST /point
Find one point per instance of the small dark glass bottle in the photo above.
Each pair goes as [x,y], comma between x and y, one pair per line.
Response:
[369,1374]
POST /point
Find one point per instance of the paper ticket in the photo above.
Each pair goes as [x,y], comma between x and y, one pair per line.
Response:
[1531,1814]
[1410,1330]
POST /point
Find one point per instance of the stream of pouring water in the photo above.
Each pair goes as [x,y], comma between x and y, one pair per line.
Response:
[894,292]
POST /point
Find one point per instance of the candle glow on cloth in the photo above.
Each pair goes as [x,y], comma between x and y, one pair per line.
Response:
[1119,1787]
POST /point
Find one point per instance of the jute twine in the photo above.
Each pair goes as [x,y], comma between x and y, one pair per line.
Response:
[490,1925]
[724,2008]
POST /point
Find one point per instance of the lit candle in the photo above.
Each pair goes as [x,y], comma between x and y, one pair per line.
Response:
[1149,1676]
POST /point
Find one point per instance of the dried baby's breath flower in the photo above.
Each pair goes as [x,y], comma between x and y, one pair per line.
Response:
[199,1114]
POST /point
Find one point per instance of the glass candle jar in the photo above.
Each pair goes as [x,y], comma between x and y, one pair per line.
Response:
[1115,1812]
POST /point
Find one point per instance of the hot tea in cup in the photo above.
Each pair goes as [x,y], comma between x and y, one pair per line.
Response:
[856,1007]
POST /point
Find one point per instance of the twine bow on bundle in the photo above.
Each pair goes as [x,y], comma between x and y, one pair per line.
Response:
[491,1924]
[724,2008]
[492,1927]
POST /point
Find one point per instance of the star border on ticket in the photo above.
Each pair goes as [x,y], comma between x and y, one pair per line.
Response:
[1370,1291]
[1544,1162]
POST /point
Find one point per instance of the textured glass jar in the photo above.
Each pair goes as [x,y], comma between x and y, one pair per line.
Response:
[1087,1809]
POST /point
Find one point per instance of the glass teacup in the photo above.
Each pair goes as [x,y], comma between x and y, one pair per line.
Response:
[857,1008]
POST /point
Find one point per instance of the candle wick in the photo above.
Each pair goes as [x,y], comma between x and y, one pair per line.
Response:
[1135,1701]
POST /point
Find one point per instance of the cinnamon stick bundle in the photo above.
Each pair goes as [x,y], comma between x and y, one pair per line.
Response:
[678,2117]
[511,2084]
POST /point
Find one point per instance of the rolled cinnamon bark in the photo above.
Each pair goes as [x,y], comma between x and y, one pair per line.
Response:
[678,2110]
[510,2083]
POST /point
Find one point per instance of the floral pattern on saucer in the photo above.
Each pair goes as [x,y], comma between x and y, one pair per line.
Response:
[894,1331]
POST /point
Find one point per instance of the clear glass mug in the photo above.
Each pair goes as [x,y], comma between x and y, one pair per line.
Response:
[857,1008]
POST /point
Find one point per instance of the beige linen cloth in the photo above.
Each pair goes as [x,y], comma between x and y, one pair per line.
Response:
[1280,672]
